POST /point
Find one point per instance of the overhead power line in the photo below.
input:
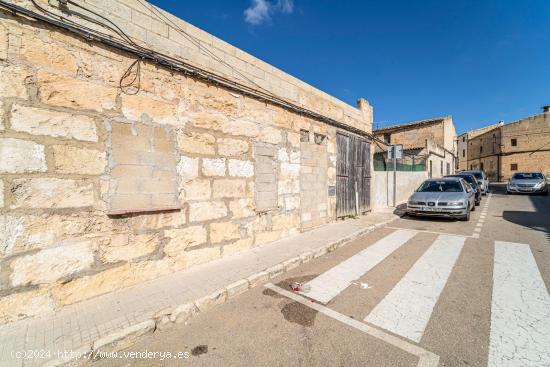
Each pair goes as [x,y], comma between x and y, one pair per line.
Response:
[126,44]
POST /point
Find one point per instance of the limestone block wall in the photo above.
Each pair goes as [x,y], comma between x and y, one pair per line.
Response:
[101,190]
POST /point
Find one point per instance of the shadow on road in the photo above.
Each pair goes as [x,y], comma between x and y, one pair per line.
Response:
[537,220]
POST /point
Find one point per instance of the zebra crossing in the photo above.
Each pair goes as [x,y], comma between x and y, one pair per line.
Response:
[520,307]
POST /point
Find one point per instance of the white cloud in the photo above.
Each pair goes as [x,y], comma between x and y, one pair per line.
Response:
[286,6]
[260,11]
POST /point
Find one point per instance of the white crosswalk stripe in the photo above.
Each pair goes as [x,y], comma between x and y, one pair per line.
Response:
[408,307]
[329,284]
[520,310]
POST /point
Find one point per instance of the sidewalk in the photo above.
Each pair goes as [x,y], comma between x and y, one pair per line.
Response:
[111,321]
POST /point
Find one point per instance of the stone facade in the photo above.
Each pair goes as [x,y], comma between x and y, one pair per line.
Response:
[101,190]
[463,141]
[435,139]
[517,146]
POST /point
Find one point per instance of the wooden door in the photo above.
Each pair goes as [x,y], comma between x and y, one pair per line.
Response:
[352,175]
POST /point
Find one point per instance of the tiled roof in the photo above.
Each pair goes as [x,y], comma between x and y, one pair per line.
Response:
[409,125]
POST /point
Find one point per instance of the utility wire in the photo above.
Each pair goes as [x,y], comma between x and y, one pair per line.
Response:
[177,65]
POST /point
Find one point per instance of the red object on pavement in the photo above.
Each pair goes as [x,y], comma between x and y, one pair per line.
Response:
[296,286]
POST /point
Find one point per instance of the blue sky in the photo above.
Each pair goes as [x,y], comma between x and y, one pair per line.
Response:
[479,61]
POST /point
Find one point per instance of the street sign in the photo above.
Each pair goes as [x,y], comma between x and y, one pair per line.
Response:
[398,151]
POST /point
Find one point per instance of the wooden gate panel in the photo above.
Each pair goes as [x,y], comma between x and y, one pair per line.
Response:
[352,175]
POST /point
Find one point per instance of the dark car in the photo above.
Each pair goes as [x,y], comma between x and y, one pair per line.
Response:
[471,179]
[482,178]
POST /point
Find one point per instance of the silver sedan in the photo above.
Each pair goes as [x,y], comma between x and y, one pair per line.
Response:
[527,182]
[445,197]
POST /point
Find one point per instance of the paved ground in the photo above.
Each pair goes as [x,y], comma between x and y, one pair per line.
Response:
[78,329]
[418,292]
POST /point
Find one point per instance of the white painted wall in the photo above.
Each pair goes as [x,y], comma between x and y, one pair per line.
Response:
[382,193]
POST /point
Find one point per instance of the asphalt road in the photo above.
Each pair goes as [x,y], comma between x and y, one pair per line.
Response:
[419,292]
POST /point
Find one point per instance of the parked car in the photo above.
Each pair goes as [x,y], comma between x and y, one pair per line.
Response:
[446,197]
[481,177]
[527,182]
[471,179]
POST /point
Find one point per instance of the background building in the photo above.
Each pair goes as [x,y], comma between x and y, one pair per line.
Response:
[433,139]
[503,149]
[462,144]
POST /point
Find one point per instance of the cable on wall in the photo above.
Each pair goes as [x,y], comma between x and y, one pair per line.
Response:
[178,65]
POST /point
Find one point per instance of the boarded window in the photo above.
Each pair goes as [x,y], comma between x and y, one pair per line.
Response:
[304,136]
[265,187]
[514,167]
[514,142]
[319,138]
[143,169]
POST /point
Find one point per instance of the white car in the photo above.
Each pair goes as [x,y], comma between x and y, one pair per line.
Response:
[481,178]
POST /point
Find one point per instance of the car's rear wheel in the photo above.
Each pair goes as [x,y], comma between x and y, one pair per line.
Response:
[473,208]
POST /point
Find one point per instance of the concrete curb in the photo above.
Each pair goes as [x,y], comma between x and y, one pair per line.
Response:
[167,318]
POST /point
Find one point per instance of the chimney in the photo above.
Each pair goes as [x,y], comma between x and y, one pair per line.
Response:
[500,123]
[546,108]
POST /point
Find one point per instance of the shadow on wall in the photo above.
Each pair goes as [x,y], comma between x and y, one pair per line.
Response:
[537,220]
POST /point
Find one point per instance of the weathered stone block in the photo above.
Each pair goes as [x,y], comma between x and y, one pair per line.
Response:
[213,167]
[72,160]
[21,156]
[13,82]
[271,135]
[285,221]
[196,143]
[56,90]
[188,168]
[39,121]
[229,188]
[51,264]
[180,239]
[290,170]
[209,121]
[241,208]
[238,168]
[197,189]
[20,305]
[266,237]
[232,147]
[225,231]
[241,127]
[51,193]
[122,247]
[206,210]
[1,196]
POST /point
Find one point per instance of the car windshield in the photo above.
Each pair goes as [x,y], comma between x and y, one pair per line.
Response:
[440,186]
[468,178]
[528,176]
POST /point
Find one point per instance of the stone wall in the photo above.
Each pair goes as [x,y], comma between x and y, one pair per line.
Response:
[86,168]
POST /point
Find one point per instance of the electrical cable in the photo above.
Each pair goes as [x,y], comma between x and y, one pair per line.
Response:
[177,65]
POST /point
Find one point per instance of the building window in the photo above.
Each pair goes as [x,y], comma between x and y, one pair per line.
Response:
[480,150]
[448,168]
[319,138]
[387,138]
[514,167]
[441,168]
[304,136]
[481,166]
[463,139]
[514,142]
[471,166]
[431,168]
[463,153]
